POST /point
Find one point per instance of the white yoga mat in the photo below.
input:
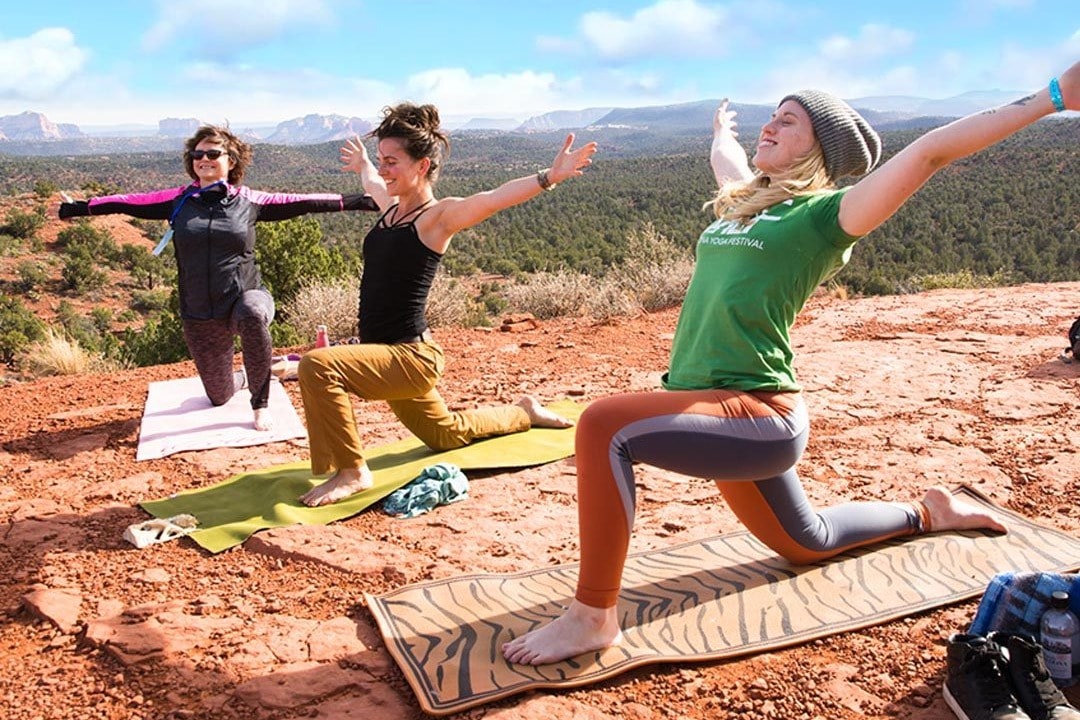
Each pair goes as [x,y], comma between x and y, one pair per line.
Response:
[178,417]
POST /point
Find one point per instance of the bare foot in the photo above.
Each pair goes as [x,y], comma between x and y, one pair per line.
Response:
[540,416]
[580,629]
[949,513]
[342,484]
[264,421]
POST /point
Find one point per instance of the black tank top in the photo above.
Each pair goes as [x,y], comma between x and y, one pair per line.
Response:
[397,277]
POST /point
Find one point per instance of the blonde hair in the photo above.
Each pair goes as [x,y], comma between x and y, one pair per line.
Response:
[741,200]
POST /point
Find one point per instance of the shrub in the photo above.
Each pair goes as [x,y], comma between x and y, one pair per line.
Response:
[549,295]
[964,279]
[330,303]
[97,243]
[32,275]
[81,273]
[451,304]
[655,272]
[22,224]
[159,342]
[149,301]
[18,327]
[291,255]
[45,189]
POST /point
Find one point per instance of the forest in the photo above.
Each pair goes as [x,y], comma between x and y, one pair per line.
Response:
[1009,212]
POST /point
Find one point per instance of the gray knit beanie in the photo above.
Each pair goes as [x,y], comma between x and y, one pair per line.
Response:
[850,145]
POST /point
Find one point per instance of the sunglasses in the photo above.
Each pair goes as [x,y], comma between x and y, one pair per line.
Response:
[212,154]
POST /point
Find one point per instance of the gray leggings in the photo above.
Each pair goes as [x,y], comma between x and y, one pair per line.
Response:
[210,343]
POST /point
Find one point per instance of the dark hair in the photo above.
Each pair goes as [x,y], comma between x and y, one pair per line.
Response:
[417,126]
[239,151]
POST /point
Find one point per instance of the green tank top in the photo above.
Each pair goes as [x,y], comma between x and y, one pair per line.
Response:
[749,283]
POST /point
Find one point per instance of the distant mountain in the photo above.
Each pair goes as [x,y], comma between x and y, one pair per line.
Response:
[32,133]
[35,126]
[491,124]
[178,127]
[563,120]
[956,106]
[314,129]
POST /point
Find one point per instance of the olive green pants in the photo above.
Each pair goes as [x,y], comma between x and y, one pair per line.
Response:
[404,375]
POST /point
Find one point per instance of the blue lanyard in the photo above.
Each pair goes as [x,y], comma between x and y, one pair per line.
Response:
[186,195]
[176,211]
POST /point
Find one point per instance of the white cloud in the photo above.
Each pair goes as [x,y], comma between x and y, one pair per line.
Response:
[456,91]
[217,29]
[667,28]
[873,41]
[36,66]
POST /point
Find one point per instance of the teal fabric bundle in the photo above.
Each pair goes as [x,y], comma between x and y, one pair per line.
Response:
[436,485]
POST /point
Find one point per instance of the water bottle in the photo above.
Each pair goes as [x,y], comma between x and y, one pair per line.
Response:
[1059,634]
[322,339]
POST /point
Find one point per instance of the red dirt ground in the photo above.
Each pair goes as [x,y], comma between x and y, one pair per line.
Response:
[904,392]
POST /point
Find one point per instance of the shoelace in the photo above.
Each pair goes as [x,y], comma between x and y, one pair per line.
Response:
[990,678]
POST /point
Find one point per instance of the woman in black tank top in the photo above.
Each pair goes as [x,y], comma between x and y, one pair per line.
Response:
[397,360]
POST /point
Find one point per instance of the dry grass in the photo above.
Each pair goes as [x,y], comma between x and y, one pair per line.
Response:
[335,306]
[57,354]
[331,304]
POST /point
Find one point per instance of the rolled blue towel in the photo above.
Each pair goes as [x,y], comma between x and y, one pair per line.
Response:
[1014,602]
[436,485]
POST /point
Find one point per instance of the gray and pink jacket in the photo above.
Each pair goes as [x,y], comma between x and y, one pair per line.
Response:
[214,234]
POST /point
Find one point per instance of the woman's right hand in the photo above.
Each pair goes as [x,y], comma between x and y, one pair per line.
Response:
[727,157]
[354,157]
[1070,87]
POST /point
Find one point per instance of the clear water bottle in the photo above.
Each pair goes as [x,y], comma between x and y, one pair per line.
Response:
[1059,635]
[322,338]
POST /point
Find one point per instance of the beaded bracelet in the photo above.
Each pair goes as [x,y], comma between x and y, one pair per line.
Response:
[1055,95]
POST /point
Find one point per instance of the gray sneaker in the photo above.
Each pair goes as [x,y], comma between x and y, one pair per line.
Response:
[977,683]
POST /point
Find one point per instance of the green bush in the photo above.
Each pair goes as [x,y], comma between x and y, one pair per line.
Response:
[45,189]
[32,276]
[80,273]
[291,254]
[18,328]
[22,224]
[97,243]
[148,301]
[159,342]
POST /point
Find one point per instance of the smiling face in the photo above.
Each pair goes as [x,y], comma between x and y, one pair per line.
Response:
[784,140]
[210,170]
[400,171]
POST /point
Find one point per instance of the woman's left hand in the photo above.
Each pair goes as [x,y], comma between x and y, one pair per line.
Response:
[570,163]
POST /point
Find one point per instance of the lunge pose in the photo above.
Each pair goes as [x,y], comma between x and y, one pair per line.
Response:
[212,230]
[731,410]
[397,360]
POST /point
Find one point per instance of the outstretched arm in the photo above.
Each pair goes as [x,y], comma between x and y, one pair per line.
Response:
[460,213]
[355,159]
[875,198]
[728,159]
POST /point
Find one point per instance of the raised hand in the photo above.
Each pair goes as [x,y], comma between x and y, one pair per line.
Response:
[570,163]
[728,159]
[354,157]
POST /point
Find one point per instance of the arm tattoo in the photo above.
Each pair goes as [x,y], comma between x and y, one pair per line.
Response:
[1024,100]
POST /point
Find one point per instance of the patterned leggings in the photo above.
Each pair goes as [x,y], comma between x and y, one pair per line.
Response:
[748,443]
[210,343]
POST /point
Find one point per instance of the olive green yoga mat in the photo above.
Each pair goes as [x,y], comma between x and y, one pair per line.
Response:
[707,600]
[231,511]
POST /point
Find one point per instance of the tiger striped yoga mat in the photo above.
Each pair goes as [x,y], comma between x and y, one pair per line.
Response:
[706,600]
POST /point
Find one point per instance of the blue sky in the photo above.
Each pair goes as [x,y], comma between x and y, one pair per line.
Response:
[250,62]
